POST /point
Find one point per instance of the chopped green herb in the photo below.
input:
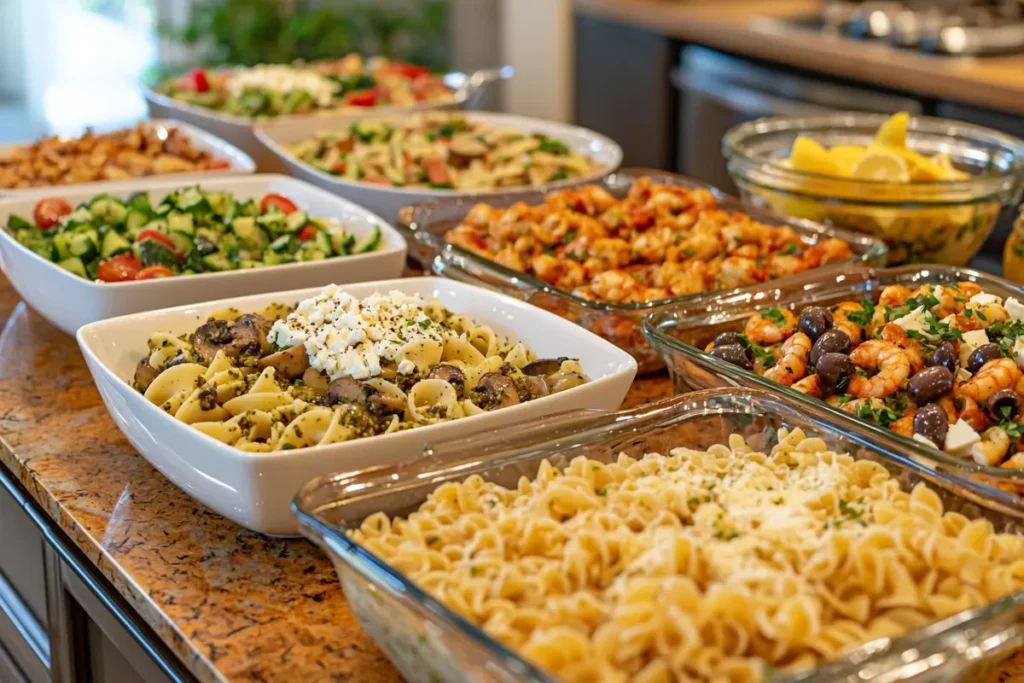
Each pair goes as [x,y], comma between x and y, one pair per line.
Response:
[790,248]
[775,315]
[864,315]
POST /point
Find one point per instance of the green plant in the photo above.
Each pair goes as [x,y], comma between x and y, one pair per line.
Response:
[279,31]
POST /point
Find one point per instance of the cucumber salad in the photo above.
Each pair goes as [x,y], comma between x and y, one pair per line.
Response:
[189,231]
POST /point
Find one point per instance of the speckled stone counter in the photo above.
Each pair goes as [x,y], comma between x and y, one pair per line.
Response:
[231,604]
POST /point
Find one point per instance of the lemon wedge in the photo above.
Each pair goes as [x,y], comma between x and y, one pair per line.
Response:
[881,165]
[893,132]
[846,157]
[808,155]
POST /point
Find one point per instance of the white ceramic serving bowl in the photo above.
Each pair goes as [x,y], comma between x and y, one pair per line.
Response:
[69,301]
[256,489]
[388,201]
[239,129]
[239,162]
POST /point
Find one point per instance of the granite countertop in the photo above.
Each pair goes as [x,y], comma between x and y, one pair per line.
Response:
[232,604]
[758,28]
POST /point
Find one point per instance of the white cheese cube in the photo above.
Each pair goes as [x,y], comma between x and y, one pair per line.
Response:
[1015,309]
[962,375]
[406,367]
[1018,351]
[920,438]
[984,299]
[915,321]
[971,341]
[960,438]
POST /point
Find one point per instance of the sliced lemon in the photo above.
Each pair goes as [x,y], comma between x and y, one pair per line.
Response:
[808,155]
[845,157]
[894,131]
[882,165]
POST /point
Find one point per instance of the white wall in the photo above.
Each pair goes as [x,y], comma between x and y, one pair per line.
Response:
[12,61]
[537,39]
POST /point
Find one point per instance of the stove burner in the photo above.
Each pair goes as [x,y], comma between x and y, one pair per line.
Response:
[953,27]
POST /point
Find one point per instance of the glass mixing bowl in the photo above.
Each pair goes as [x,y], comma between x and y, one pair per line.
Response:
[935,222]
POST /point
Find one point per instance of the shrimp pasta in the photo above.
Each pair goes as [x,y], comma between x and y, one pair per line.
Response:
[941,364]
[336,368]
[716,565]
[660,241]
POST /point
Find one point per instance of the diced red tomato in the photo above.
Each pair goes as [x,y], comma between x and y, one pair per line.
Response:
[408,70]
[377,180]
[437,172]
[159,237]
[120,268]
[198,81]
[48,212]
[154,272]
[361,98]
[280,201]
[307,233]
[642,218]
[218,164]
[339,167]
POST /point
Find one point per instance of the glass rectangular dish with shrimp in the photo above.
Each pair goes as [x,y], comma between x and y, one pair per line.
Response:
[929,357]
[729,535]
[606,254]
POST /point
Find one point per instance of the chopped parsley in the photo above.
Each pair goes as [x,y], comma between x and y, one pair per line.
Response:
[759,351]
[864,315]
[928,301]
[790,248]
[1012,429]
[569,237]
[851,511]
[882,416]
[775,315]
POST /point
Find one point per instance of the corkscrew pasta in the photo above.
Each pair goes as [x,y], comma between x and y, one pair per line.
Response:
[716,565]
[337,368]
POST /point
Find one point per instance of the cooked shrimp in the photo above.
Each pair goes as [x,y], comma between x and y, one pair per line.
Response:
[875,404]
[841,320]
[792,366]
[809,385]
[889,361]
[948,404]
[950,299]
[894,295]
[892,332]
[973,414]
[613,285]
[992,448]
[978,317]
[969,289]
[830,250]
[1001,373]
[1015,461]
[904,425]
[771,327]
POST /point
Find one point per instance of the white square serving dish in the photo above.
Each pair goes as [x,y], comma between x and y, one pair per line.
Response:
[239,163]
[69,301]
[256,489]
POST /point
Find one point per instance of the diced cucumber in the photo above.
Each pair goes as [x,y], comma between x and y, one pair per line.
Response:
[274,221]
[229,245]
[312,255]
[251,236]
[92,269]
[296,220]
[321,242]
[369,129]
[271,258]
[181,222]
[193,261]
[134,221]
[217,261]
[74,265]
[182,242]
[84,245]
[16,222]
[248,208]
[139,201]
[37,242]
[342,242]
[108,209]
[204,242]
[191,200]
[155,253]
[79,216]
[247,264]
[160,225]
[113,244]
[164,209]
[62,245]
[284,244]
[368,243]
[222,203]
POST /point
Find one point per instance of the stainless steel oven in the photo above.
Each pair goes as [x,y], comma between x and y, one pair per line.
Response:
[718,91]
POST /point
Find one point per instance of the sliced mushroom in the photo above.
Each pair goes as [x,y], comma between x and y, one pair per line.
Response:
[211,337]
[290,363]
[144,375]
[495,391]
[381,404]
[246,335]
[388,371]
[564,381]
[346,390]
[177,360]
[543,366]
[464,147]
[249,334]
[450,374]
[536,386]
[315,380]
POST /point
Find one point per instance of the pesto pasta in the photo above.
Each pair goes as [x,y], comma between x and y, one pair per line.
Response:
[335,368]
[717,565]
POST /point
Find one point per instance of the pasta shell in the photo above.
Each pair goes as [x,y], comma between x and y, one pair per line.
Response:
[262,402]
[431,400]
[184,377]
[225,432]
[424,353]
[306,430]
[192,410]
[462,351]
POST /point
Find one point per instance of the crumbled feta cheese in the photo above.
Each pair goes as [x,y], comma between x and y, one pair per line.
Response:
[1018,351]
[921,438]
[916,321]
[984,299]
[346,337]
[283,79]
[962,375]
[960,438]
[1015,309]
[406,367]
[971,341]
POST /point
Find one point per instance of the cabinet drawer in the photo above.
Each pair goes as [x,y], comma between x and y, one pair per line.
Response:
[22,565]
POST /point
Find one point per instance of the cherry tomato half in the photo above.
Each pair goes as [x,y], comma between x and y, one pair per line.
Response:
[163,239]
[307,233]
[48,212]
[408,70]
[280,201]
[120,268]
[361,98]
[218,164]
[199,80]
[154,272]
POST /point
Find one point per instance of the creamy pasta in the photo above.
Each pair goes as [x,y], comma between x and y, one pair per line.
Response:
[717,565]
[335,368]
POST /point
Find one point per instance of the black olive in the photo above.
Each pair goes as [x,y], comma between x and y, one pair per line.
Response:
[1000,401]
[833,368]
[815,321]
[982,355]
[728,339]
[931,422]
[733,353]
[946,356]
[930,385]
[831,341]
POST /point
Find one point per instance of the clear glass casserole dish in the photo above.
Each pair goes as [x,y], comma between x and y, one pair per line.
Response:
[941,221]
[619,323]
[682,332]
[428,642]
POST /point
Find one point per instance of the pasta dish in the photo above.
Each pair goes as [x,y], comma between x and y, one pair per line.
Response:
[444,150]
[718,565]
[659,241]
[940,364]
[335,368]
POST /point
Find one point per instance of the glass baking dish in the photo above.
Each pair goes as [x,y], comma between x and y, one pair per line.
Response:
[619,323]
[681,333]
[428,642]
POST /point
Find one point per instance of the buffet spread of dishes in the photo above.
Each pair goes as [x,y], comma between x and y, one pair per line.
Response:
[248,336]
